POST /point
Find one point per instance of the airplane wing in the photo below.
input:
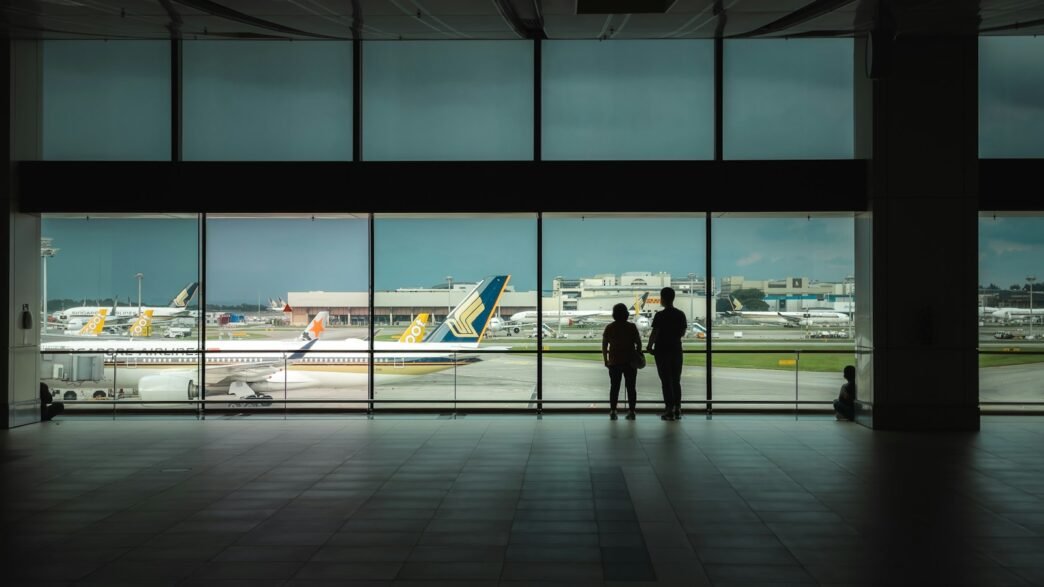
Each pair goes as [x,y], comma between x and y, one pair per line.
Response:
[793,319]
[221,375]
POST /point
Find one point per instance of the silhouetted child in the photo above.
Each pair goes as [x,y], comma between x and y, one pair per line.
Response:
[844,405]
[48,407]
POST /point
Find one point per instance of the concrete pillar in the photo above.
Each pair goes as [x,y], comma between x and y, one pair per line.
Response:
[22,101]
[916,249]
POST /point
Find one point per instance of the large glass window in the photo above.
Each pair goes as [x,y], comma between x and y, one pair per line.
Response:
[121,310]
[446,289]
[1011,311]
[783,322]
[593,262]
[286,317]
[1011,97]
[267,101]
[788,99]
[448,100]
[106,101]
[628,100]
[459,318]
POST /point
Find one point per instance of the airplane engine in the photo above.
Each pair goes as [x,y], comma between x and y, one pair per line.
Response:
[155,388]
[565,321]
[284,380]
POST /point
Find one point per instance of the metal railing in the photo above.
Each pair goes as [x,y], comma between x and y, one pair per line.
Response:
[283,392]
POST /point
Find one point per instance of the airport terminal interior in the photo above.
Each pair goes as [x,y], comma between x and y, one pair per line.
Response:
[308,293]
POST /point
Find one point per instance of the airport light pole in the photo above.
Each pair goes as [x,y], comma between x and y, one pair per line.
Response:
[47,249]
[449,292]
[558,327]
[1031,279]
[692,317]
[139,276]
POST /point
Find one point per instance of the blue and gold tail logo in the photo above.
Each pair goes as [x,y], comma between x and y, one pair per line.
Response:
[469,320]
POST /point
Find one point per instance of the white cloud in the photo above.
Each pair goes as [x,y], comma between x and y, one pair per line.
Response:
[749,259]
[1005,247]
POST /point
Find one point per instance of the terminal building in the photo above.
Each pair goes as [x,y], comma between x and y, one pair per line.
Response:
[591,146]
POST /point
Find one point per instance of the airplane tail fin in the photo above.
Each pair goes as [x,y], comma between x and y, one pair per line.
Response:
[415,331]
[315,327]
[94,326]
[184,296]
[639,303]
[470,319]
[736,305]
[140,327]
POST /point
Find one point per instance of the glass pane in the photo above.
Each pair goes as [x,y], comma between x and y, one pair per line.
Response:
[789,99]
[580,380]
[138,378]
[115,288]
[266,376]
[628,100]
[1011,97]
[785,279]
[106,100]
[448,100]
[635,258]
[753,377]
[1010,374]
[267,101]
[454,379]
[450,294]
[123,276]
[303,296]
[1011,308]
[1011,297]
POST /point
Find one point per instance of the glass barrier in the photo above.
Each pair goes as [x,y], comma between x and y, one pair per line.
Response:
[579,379]
[455,380]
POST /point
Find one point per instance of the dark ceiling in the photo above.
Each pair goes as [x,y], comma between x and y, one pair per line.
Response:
[502,19]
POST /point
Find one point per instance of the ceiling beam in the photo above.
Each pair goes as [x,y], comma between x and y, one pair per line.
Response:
[221,11]
[806,13]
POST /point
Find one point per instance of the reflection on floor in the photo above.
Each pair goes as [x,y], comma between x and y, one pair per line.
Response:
[569,500]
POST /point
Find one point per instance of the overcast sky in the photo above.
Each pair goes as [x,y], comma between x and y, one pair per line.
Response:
[1010,248]
[248,258]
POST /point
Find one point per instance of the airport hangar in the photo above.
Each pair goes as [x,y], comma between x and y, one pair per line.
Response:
[598,293]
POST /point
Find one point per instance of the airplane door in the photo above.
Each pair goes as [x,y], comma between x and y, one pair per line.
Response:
[400,362]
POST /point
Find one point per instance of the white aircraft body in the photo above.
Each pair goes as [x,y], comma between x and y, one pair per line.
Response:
[789,319]
[565,318]
[169,370]
[176,309]
[1016,313]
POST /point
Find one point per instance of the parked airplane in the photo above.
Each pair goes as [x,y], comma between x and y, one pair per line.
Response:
[1017,313]
[565,318]
[168,370]
[177,308]
[789,319]
[99,325]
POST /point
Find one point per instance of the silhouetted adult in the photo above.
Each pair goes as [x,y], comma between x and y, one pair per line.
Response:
[621,348]
[844,405]
[48,407]
[668,327]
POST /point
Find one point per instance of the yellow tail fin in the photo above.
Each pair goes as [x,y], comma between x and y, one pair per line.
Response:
[94,326]
[142,325]
[415,331]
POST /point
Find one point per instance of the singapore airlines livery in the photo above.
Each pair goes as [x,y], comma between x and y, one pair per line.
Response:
[162,370]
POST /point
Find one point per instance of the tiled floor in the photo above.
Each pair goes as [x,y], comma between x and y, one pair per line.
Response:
[512,500]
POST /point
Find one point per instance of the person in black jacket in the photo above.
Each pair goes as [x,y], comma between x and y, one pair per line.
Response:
[665,343]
